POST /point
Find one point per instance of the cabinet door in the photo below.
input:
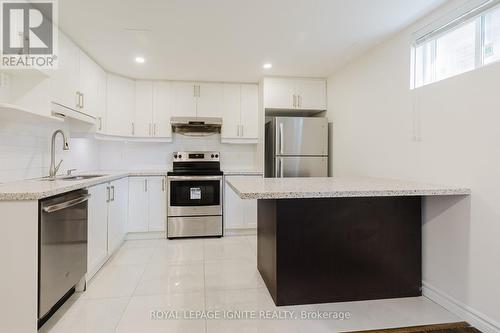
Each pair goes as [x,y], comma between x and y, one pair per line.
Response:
[64,81]
[120,105]
[311,94]
[101,101]
[157,198]
[278,93]
[138,205]
[210,100]
[143,111]
[233,217]
[231,111]
[97,247]
[184,101]
[162,109]
[249,111]
[118,214]
[88,86]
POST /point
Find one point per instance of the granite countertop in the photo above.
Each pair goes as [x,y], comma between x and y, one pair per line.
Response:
[36,189]
[242,172]
[337,187]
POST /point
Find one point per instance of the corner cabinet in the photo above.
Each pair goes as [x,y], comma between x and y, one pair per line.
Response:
[148,204]
[295,94]
[240,115]
[108,207]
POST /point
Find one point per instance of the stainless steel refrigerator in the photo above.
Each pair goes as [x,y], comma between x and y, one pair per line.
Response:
[296,147]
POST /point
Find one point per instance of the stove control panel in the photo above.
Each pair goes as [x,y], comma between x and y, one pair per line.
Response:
[196,156]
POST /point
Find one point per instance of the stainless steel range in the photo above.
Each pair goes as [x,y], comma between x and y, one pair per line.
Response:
[195,195]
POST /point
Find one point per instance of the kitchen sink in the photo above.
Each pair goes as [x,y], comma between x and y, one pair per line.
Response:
[73,178]
[82,177]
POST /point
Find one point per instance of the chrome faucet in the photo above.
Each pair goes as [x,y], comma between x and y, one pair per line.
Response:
[53,167]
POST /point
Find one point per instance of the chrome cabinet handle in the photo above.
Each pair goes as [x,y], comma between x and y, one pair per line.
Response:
[67,204]
[154,129]
[294,101]
[133,129]
[241,130]
[145,185]
[82,96]
[113,191]
[108,196]
[100,123]
[281,167]
[163,184]
[299,101]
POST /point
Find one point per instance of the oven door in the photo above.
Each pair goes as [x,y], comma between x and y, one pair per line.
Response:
[194,195]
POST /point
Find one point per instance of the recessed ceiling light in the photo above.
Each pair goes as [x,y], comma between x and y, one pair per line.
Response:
[140,60]
[267,66]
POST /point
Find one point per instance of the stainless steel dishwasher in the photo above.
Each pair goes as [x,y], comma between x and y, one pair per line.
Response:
[62,260]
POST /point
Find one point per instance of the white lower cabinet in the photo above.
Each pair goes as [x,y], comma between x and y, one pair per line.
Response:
[238,213]
[118,213]
[107,219]
[97,247]
[148,204]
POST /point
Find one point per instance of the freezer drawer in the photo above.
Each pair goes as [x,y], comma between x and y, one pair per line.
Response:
[295,166]
[298,136]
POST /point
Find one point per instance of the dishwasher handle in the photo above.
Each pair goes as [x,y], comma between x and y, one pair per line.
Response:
[66,204]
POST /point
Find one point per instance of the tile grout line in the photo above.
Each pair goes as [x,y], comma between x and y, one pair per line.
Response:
[133,292]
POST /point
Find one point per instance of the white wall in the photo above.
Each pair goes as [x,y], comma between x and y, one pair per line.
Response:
[377,124]
[133,155]
[25,151]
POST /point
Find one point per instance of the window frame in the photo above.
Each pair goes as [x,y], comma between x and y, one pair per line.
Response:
[479,60]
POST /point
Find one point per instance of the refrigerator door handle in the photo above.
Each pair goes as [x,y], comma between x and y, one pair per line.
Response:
[281,167]
[281,138]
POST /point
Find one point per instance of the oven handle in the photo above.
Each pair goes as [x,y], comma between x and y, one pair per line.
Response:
[194,178]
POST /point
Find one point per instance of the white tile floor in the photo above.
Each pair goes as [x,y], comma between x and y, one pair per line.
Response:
[211,275]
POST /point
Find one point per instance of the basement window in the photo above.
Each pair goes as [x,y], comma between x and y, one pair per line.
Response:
[469,41]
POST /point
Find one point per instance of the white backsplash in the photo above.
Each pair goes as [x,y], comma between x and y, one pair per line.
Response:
[25,152]
[133,155]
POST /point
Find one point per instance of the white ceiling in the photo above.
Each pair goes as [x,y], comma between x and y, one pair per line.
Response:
[229,40]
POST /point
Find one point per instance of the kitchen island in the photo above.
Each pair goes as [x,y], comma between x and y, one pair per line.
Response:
[339,239]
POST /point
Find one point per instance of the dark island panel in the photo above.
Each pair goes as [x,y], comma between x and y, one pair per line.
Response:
[340,249]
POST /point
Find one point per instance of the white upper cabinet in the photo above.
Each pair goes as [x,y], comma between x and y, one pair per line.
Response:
[240,112]
[184,100]
[310,94]
[120,105]
[295,94]
[210,98]
[65,80]
[75,83]
[101,101]
[143,112]
[278,93]
[231,111]
[249,111]
[162,109]
[88,89]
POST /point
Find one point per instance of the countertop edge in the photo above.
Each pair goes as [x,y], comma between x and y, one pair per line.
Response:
[110,176]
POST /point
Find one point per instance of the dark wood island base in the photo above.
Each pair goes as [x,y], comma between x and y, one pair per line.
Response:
[321,250]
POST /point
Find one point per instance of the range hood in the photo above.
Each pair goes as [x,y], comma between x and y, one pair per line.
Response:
[196,126]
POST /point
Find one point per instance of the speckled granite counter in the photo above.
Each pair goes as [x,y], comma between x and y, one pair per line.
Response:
[337,187]
[38,188]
